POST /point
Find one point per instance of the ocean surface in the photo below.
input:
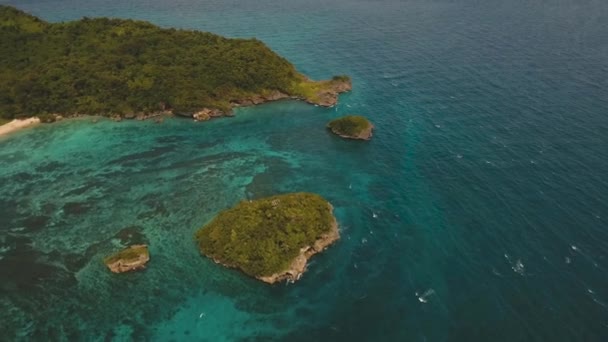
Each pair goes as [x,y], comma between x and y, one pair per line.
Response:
[478,212]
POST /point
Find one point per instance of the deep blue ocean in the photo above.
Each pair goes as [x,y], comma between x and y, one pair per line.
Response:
[478,212]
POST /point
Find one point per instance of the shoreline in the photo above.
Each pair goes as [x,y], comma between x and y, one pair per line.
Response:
[17,125]
[327,97]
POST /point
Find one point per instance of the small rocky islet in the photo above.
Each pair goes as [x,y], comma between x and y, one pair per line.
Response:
[133,258]
[352,127]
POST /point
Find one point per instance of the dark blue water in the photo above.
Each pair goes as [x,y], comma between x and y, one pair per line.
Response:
[487,177]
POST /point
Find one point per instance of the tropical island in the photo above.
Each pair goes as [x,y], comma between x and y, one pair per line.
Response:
[134,69]
[129,259]
[272,238]
[352,127]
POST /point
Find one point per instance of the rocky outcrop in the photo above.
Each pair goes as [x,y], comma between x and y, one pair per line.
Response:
[352,127]
[298,265]
[365,134]
[324,93]
[327,96]
[130,259]
[206,114]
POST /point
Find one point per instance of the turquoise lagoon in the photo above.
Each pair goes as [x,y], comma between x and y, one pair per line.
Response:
[477,213]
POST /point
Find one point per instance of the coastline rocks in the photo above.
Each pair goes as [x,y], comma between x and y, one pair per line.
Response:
[130,259]
[206,114]
[352,127]
[320,93]
[327,96]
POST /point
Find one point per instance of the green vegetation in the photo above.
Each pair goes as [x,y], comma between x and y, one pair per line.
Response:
[313,90]
[351,125]
[112,66]
[4,121]
[128,254]
[262,237]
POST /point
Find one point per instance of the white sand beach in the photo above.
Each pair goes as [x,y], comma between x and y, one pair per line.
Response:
[16,125]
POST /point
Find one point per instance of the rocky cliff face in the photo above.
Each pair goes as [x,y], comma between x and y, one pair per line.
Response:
[130,259]
[206,114]
[327,96]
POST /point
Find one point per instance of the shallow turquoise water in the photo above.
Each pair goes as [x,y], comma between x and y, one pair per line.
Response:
[487,177]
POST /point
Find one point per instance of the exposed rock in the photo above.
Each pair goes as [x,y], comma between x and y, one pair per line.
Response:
[130,259]
[206,114]
[275,95]
[327,95]
[365,134]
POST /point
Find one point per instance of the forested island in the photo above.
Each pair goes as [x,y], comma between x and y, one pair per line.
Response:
[271,238]
[352,127]
[127,68]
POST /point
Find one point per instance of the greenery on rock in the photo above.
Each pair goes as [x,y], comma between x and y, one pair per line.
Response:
[351,125]
[262,237]
[128,254]
[113,66]
[312,90]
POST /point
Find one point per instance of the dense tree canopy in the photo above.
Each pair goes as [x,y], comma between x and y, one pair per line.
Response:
[350,125]
[113,66]
[263,237]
